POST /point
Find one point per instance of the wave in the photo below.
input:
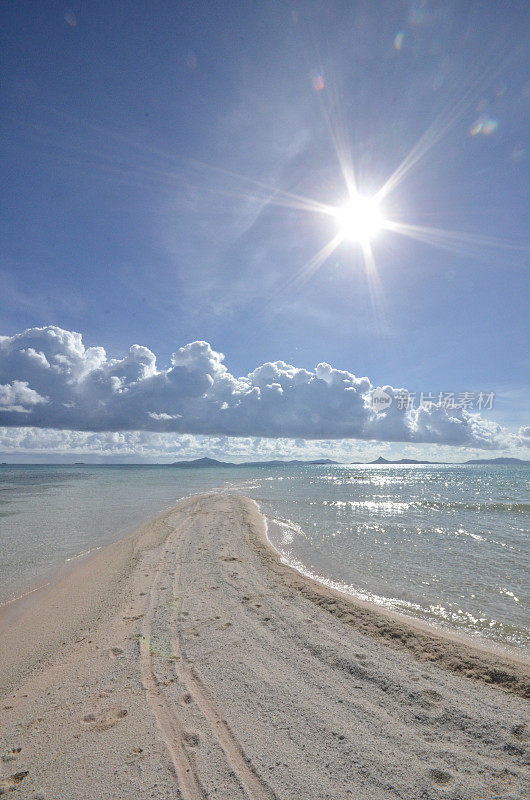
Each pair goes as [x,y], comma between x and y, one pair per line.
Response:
[442,613]
[399,507]
[510,508]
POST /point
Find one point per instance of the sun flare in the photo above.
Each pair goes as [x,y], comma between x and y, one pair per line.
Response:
[360,219]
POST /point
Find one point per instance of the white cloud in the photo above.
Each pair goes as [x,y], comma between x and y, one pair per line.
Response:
[44,444]
[15,397]
[60,384]
[524,433]
[163,416]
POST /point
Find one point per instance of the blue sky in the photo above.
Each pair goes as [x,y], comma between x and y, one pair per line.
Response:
[146,147]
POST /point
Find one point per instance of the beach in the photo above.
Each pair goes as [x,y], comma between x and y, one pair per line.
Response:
[187,660]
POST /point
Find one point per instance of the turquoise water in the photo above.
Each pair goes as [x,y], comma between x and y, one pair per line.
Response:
[445,543]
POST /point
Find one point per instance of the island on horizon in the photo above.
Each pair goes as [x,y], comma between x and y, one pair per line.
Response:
[213,462]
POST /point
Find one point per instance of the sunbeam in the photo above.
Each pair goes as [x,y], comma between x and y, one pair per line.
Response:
[375,288]
[309,268]
[446,120]
[455,241]
[359,221]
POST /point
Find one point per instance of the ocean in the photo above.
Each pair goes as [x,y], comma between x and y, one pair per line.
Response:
[447,544]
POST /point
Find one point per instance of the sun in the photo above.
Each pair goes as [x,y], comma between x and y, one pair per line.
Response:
[360,219]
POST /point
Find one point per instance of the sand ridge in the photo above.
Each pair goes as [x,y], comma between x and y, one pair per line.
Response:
[209,672]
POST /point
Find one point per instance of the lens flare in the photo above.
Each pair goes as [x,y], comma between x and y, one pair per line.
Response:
[360,220]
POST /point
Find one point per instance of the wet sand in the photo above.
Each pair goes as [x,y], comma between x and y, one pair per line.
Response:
[188,661]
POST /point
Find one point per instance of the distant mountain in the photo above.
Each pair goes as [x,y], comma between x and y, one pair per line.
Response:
[382,460]
[497,461]
[213,462]
[201,462]
[492,461]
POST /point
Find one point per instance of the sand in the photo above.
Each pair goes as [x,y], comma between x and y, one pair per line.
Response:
[187,661]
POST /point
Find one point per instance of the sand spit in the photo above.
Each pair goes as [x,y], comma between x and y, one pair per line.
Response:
[188,662]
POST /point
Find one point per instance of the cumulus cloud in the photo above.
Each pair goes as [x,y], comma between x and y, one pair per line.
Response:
[61,384]
[524,434]
[162,415]
[24,444]
[137,446]
[18,398]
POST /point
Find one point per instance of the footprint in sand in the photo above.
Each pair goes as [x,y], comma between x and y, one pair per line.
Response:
[502,784]
[428,698]
[106,719]
[440,776]
[191,739]
[135,754]
[514,749]
[11,783]
[12,755]
[519,732]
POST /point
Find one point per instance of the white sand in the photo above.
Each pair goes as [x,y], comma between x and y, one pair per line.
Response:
[187,661]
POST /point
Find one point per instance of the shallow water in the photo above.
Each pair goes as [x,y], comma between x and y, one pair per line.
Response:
[444,543]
